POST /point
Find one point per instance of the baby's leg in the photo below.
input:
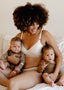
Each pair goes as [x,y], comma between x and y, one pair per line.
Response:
[4,76]
[47,79]
[61,80]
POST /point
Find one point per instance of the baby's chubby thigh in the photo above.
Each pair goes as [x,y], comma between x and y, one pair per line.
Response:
[6,71]
[45,76]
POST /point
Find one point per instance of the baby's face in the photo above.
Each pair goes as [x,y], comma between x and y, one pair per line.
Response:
[49,55]
[15,46]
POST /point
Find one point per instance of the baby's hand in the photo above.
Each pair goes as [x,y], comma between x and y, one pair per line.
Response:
[44,65]
[12,74]
[17,69]
[2,66]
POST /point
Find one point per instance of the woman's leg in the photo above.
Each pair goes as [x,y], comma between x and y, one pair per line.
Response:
[4,77]
[25,80]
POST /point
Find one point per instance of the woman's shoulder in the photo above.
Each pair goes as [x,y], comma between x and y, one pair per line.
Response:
[45,36]
[18,35]
[45,33]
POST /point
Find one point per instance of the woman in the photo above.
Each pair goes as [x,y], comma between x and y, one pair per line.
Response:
[30,20]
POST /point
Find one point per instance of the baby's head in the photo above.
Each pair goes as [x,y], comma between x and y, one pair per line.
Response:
[48,53]
[15,44]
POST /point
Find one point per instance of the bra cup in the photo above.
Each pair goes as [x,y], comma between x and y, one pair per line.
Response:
[34,51]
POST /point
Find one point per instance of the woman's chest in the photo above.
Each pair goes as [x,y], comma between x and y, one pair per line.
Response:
[28,42]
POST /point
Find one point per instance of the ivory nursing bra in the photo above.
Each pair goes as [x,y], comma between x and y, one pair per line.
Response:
[34,51]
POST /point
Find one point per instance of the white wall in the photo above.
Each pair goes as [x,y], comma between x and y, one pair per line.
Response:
[55,24]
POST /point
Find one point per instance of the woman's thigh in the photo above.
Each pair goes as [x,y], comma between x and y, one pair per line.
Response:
[26,80]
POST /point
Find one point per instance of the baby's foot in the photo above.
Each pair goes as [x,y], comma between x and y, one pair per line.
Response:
[2,66]
[60,83]
[52,84]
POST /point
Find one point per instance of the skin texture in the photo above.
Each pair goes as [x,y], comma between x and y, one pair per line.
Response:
[33,76]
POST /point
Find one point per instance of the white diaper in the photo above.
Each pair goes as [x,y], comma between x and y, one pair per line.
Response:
[33,68]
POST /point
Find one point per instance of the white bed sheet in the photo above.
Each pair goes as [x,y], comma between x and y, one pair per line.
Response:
[2,87]
[41,86]
[44,86]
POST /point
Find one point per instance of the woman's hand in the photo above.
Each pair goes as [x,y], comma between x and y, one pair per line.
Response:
[13,59]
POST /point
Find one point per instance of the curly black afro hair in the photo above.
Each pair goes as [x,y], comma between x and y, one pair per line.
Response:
[24,16]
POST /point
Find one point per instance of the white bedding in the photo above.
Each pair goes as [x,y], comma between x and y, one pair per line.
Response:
[44,86]
[4,45]
[41,86]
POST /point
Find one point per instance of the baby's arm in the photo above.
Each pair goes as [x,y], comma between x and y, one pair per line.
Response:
[20,66]
[42,66]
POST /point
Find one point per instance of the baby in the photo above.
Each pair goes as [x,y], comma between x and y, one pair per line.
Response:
[17,65]
[47,66]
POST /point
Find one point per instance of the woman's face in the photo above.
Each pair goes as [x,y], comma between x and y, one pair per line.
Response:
[33,28]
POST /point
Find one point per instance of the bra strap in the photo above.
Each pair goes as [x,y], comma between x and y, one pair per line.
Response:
[21,35]
[40,35]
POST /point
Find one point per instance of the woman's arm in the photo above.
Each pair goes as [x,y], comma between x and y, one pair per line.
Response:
[50,40]
[13,58]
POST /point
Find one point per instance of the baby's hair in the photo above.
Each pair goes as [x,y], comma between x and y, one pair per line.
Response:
[15,39]
[47,47]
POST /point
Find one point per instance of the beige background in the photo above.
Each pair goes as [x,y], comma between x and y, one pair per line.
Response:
[55,24]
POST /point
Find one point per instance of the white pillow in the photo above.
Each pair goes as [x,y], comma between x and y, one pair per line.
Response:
[60,44]
[4,43]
